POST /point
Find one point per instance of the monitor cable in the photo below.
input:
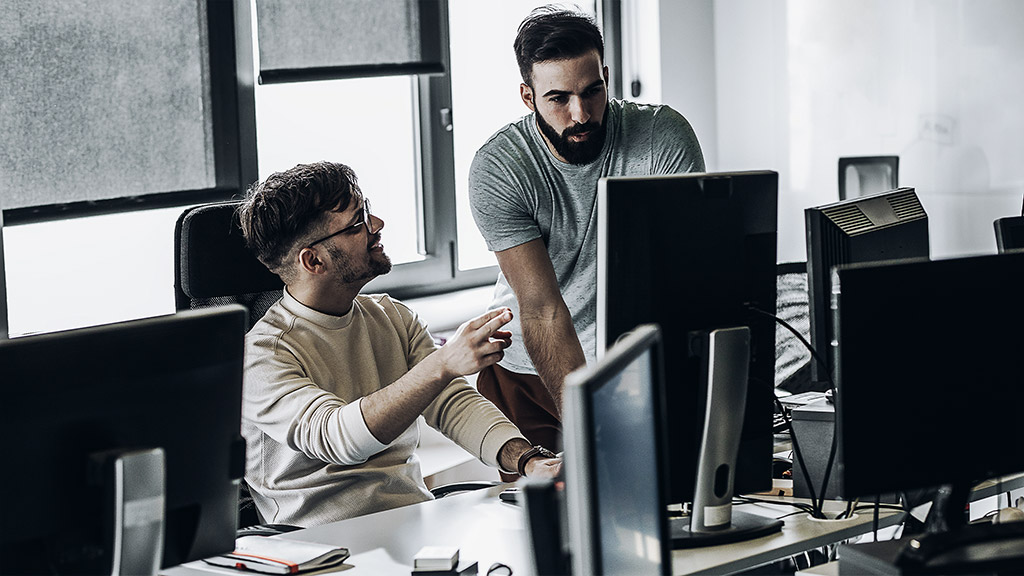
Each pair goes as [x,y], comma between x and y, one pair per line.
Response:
[819,501]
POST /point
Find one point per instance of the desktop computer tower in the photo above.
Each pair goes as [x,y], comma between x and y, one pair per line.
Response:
[813,425]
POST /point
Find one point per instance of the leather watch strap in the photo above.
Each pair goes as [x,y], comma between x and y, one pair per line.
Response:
[534,451]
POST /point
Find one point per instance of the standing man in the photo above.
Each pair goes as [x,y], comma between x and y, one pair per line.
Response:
[533,192]
[335,380]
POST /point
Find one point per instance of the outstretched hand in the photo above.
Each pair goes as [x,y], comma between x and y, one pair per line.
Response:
[543,468]
[477,344]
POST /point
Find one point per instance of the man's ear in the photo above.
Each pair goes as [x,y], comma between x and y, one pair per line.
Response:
[526,93]
[309,260]
[606,76]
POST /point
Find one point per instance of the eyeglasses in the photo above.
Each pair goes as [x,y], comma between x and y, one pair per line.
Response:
[364,220]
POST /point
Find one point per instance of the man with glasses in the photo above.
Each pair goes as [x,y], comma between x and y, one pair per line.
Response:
[533,193]
[335,379]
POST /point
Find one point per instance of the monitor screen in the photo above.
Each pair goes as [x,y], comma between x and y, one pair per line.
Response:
[929,367]
[1010,233]
[886,226]
[692,253]
[614,461]
[172,382]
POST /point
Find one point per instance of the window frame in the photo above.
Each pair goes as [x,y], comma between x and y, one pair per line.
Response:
[233,133]
[231,47]
[438,271]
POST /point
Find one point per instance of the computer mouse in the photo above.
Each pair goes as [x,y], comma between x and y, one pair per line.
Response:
[510,495]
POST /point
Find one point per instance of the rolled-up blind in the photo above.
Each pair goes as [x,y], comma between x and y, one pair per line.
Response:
[103,100]
[321,39]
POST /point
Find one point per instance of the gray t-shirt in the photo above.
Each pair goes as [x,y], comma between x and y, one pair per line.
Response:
[520,191]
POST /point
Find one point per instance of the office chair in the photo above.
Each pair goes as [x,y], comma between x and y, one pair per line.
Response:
[1009,233]
[213,266]
[863,175]
[792,359]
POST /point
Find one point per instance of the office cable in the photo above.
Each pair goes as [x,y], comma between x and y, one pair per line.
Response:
[805,508]
[818,501]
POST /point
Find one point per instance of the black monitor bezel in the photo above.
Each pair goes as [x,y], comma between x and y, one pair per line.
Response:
[829,245]
[752,200]
[906,329]
[75,393]
[584,510]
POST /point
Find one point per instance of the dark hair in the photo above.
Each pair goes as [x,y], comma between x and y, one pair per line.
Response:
[554,32]
[282,213]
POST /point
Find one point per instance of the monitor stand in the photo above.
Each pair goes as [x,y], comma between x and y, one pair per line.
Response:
[741,527]
[725,362]
[134,482]
[949,545]
[948,538]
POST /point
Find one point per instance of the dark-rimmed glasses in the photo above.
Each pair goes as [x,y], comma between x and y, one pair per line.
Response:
[363,221]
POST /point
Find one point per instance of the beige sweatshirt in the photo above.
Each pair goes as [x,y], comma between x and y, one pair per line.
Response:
[310,457]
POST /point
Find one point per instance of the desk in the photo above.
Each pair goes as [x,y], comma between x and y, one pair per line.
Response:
[488,530]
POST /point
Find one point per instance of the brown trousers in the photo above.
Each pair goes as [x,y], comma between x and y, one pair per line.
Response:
[525,400]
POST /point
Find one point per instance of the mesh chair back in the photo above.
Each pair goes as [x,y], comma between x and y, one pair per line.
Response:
[792,359]
[213,266]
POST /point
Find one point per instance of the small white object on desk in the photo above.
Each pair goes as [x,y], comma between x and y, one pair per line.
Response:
[435,558]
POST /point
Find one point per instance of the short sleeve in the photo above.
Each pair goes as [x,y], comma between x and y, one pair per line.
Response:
[675,145]
[499,204]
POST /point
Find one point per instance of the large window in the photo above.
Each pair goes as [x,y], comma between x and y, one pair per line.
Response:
[121,118]
[485,96]
[370,124]
[366,86]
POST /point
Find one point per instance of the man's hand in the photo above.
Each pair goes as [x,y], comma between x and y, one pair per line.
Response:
[477,344]
[540,467]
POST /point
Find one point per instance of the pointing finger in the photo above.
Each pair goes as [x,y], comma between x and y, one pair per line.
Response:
[479,321]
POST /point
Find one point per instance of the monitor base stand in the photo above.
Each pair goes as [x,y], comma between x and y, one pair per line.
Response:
[743,527]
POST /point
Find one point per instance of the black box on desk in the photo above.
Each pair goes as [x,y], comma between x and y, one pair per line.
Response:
[813,425]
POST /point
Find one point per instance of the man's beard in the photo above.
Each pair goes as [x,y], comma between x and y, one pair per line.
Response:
[578,153]
[347,273]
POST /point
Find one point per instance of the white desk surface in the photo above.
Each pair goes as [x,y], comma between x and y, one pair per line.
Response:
[488,530]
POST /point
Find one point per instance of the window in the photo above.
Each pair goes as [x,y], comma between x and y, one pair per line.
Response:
[369,124]
[366,86]
[485,96]
[121,118]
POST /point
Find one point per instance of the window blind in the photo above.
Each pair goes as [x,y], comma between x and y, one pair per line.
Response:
[103,100]
[322,39]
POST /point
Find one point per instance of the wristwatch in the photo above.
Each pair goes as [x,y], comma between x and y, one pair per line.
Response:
[535,451]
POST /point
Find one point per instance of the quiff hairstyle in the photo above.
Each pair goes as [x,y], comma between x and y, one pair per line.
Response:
[285,212]
[554,32]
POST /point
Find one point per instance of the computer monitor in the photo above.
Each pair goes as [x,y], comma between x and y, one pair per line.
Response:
[886,226]
[1009,233]
[172,383]
[929,372]
[694,253]
[615,463]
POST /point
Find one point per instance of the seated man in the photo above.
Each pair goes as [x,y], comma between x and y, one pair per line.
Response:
[335,380]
